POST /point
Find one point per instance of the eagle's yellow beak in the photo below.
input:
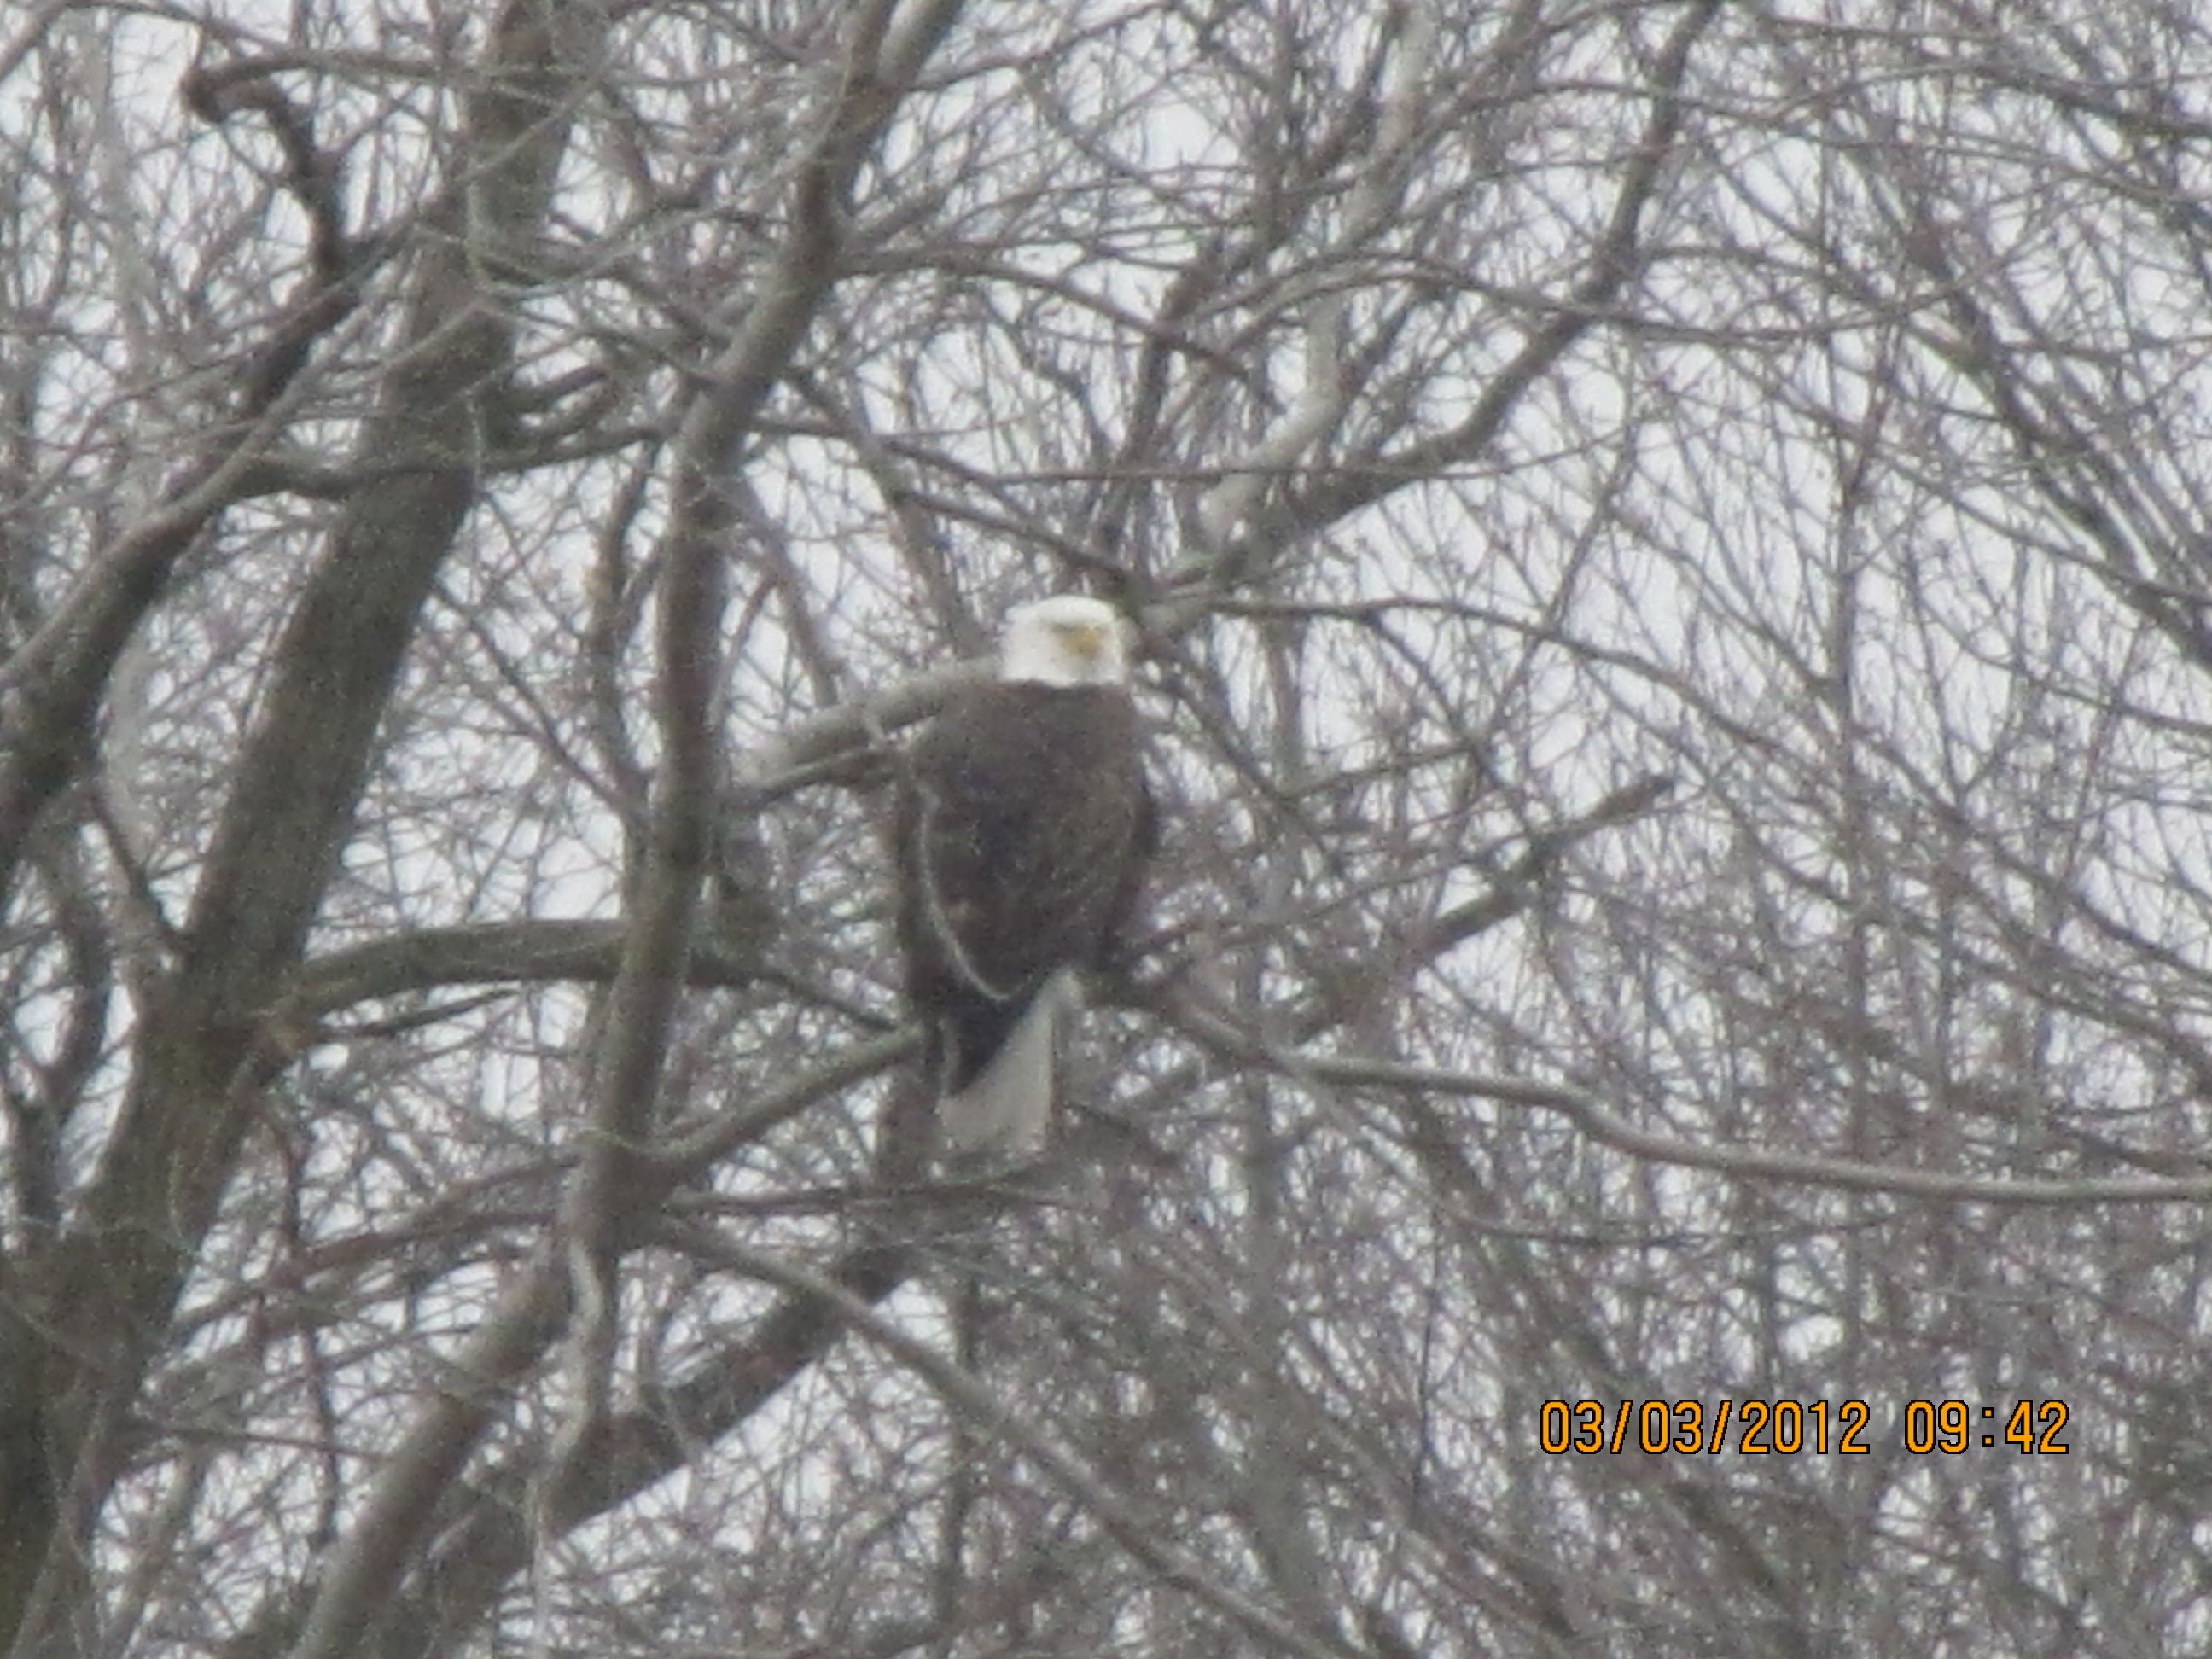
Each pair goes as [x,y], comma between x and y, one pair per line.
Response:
[1087,640]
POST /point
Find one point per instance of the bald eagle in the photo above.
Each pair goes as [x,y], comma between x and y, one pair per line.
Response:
[1023,826]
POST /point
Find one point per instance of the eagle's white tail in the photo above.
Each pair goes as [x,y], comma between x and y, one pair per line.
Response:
[1002,1115]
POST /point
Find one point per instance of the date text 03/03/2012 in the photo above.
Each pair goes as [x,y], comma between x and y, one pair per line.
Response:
[1753,1426]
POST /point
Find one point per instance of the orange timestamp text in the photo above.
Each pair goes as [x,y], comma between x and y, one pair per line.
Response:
[1754,1426]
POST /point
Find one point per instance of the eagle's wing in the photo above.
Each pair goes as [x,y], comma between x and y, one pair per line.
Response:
[1023,824]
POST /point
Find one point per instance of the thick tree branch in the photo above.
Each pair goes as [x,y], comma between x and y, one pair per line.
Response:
[1588,1114]
[201,1057]
[534,951]
[979,1405]
[880,64]
[51,686]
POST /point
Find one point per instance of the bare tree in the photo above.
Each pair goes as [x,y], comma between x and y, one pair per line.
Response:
[1662,1104]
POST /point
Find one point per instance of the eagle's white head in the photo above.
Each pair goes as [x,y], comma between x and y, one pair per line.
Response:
[1066,639]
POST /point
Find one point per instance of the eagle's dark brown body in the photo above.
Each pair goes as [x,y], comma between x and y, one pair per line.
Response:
[1023,826]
